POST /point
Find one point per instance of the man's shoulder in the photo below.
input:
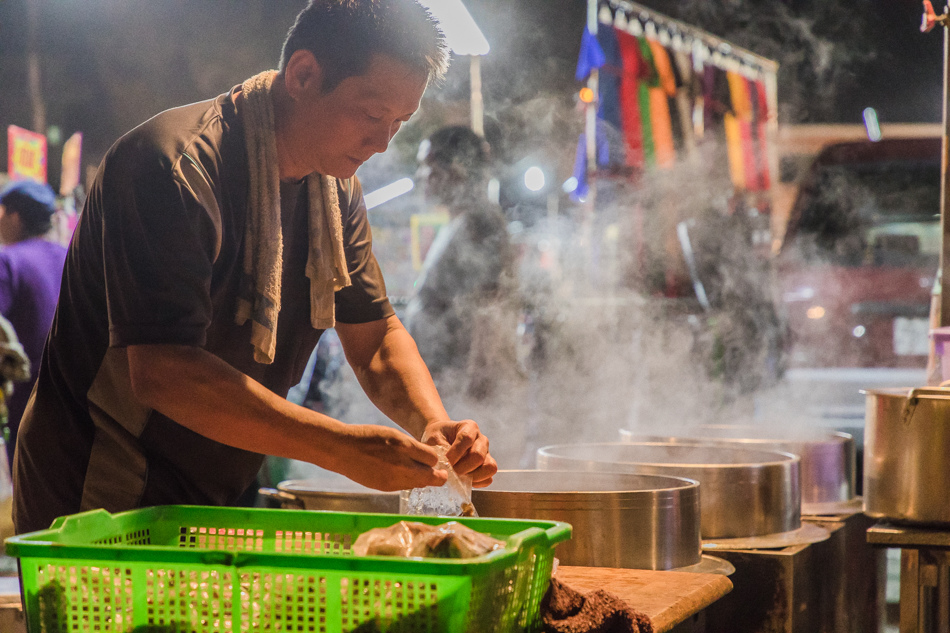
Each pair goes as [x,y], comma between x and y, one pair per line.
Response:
[350,191]
[350,188]
[34,247]
[161,140]
[34,253]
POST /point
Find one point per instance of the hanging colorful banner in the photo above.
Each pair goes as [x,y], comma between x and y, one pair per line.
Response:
[72,150]
[26,154]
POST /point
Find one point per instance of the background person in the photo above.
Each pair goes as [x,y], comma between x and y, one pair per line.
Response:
[31,268]
[164,378]
[460,313]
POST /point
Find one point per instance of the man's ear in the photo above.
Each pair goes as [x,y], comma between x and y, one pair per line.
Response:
[303,75]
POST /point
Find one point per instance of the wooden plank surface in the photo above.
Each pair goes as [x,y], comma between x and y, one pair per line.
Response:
[668,597]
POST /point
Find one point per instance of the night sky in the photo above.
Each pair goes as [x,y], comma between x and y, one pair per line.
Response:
[109,64]
[904,82]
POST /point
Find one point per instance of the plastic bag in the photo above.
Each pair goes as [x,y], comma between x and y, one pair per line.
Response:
[410,538]
[451,499]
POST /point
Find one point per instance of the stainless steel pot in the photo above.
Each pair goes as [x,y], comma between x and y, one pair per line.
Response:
[907,455]
[337,495]
[828,457]
[743,492]
[619,520]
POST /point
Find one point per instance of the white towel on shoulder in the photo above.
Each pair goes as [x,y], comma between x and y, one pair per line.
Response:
[259,298]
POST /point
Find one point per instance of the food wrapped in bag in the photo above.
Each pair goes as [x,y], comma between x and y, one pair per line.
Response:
[411,538]
[451,499]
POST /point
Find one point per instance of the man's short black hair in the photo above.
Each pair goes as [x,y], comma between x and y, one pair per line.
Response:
[457,145]
[343,36]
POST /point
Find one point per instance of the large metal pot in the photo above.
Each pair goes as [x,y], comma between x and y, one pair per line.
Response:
[828,457]
[619,520]
[336,495]
[907,455]
[744,492]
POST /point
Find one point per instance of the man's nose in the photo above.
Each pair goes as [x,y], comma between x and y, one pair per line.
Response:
[379,139]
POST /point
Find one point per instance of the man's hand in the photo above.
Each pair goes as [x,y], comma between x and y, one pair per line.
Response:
[386,459]
[468,449]
[391,372]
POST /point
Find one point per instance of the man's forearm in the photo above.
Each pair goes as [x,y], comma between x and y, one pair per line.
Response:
[388,366]
[205,394]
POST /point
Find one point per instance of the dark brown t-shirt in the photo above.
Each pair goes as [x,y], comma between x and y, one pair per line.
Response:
[156,258]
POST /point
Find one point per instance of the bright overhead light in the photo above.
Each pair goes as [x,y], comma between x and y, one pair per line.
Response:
[534,179]
[871,124]
[570,185]
[387,193]
[461,33]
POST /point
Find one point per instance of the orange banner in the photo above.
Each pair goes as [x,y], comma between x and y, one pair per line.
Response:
[72,150]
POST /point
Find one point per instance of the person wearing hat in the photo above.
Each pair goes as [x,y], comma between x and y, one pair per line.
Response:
[31,268]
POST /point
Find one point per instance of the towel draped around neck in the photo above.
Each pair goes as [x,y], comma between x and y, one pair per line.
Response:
[259,299]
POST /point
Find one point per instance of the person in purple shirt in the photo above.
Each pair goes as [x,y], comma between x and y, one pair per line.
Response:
[31,268]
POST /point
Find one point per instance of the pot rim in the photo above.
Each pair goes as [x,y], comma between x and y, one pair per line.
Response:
[317,488]
[905,392]
[666,483]
[783,457]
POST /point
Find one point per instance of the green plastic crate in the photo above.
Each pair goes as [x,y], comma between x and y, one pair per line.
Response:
[221,570]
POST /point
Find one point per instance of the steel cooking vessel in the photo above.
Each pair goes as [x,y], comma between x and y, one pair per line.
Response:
[743,492]
[828,458]
[907,455]
[336,495]
[619,520]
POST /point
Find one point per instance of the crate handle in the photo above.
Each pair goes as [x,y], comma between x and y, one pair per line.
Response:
[531,536]
[535,535]
[559,532]
[87,519]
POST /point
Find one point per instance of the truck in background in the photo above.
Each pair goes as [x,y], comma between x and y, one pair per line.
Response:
[856,241]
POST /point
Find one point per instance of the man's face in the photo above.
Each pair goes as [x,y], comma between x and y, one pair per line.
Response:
[442,182]
[334,133]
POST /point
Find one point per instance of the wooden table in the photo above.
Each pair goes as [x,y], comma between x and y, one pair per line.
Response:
[668,597]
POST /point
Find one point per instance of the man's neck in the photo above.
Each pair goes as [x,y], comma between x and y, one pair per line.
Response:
[281,104]
[283,107]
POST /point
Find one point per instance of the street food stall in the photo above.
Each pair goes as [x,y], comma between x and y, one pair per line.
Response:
[709,529]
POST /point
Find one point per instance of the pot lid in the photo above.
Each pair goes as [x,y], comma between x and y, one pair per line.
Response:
[341,485]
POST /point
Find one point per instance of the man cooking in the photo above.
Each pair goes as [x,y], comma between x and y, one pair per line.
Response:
[217,243]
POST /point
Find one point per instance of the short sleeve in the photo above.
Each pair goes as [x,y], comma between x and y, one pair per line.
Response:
[365,300]
[158,250]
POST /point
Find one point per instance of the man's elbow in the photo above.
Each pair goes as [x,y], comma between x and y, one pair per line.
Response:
[149,372]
